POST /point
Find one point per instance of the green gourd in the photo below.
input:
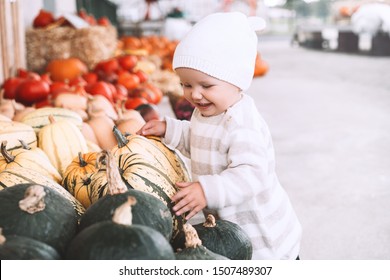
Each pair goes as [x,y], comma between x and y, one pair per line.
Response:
[119,239]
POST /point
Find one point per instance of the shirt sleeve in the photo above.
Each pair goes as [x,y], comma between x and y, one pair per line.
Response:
[247,173]
[177,135]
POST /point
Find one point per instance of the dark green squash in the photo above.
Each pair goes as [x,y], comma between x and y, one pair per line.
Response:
[194,250]
[15,247]
[119,239]
[38,212]
[148,211]
[225,238]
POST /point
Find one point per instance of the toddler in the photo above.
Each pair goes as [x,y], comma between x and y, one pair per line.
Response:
[227,140]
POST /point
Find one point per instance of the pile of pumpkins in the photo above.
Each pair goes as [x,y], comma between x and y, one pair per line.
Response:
[63,196]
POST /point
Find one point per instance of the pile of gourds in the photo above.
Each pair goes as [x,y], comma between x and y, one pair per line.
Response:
[63,196]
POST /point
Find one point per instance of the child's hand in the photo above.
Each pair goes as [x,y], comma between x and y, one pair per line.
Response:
[190,198]
[153,127]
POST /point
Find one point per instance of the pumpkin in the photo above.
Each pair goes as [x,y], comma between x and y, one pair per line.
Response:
[28,158]
[14,247]
[21,175]
[194,250]
[261,67]
[102,125]
[13,131]
[153,149]
[225,238]
[65,69]
[61,141]
[148,210]
[77,176]
[38,212]
[148,165]
[40,117]
[120,239]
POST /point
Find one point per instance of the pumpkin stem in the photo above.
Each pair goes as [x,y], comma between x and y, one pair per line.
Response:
[33,199]
[192,238]
[114,180]
[123,214]
[210,221]
[7,156]
[25,146]
[51,119]
[81,160]
[120,138]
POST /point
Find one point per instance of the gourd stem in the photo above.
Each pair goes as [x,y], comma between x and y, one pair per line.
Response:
[120,138]
[192,238]
[33,199]
[83,163]
[115,183]
[123,214]
[7,156]
[24,145]
[210,221]
[51,119]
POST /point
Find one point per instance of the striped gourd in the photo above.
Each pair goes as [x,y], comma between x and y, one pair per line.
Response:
[142,173]
[61,141]
[21,175]
[13,131]
[39,118]
[163,158]
[77,177]
[29,158]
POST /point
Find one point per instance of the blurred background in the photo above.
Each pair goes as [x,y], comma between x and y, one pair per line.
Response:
[323,86]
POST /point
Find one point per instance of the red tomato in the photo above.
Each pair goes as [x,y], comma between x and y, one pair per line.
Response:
[158,94]
[31,91]
[43,19]
[142,92]
[128,80]
[10,87]
[90,77]
[127,61]
[104,21]
[121,92]
[134,102]
[107,66]
[101,88]
[143,77]
[57,87]
[78,81]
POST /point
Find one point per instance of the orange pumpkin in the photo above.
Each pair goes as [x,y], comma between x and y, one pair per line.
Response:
[261,67]
[66,69]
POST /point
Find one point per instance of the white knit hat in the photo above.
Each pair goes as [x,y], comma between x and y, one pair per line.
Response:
[222,45]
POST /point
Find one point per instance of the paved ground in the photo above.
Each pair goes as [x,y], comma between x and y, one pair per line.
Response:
[329,114]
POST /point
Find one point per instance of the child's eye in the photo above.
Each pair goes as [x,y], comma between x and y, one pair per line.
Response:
[207,86]
[185,85]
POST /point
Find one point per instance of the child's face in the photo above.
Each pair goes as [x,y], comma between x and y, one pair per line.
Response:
[210,95]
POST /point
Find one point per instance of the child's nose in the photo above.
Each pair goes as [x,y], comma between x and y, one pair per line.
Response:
[196,94]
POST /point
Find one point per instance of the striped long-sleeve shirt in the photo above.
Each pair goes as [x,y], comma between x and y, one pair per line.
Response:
[232,156]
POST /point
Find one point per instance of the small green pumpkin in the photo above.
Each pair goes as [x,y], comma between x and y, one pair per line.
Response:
[194,250]
[38,212]
[225,238]
[119,239]
[14,247]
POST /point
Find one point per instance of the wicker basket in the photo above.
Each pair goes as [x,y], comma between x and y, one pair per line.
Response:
[90,45]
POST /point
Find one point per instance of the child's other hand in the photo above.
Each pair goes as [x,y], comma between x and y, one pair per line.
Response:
[190,198]
[153,127]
